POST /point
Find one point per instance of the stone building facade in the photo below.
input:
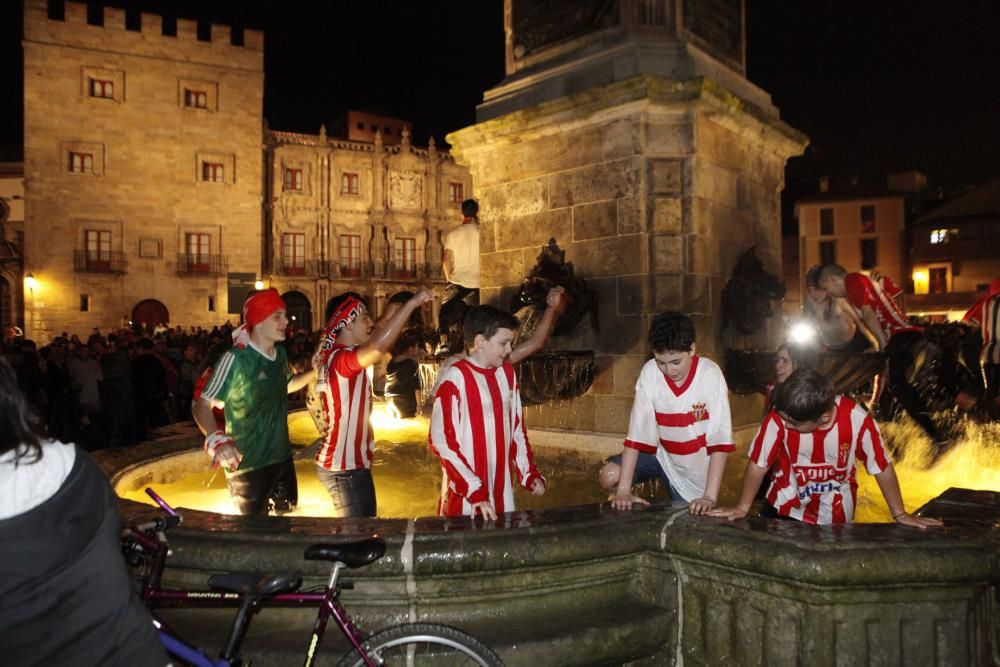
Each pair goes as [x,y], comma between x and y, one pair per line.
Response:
[12,272]
[349,215]
[143,168]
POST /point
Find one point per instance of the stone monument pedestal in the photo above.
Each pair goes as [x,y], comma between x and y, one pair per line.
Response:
[651,174]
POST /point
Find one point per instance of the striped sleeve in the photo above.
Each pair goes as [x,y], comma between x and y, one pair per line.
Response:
[765,443]
[719,436]
[870,447]
[642,433]
[218,385]
[444,442]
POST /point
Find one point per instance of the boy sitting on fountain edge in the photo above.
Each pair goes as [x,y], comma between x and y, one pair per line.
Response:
[477,424]
[680,430]
[815,436]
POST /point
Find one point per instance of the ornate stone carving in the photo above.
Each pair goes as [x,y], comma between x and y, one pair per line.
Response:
[406,189]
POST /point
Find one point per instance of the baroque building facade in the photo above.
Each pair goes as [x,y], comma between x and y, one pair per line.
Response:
[155,193]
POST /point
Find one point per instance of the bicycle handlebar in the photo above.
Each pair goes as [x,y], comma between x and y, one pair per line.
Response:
[161,502]
[159,524]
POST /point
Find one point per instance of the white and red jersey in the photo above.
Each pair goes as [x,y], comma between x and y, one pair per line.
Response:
[346,401]
[477,430]
[682,424]
[861,292]
[815,479]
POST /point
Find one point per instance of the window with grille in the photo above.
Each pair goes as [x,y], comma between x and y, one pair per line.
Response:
[405,253]
[98,244]
[937,280]
[199,250]
[826,222]
[455,193]
[350,255]
[349,184]
[81,163]
[103,88]
[293,248]
[195,99]
[213,172]
[293,180]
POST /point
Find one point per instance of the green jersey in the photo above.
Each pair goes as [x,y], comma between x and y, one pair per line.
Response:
[254,390]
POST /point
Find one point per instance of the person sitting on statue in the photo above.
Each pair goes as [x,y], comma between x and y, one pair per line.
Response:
[680,430]
[896,337]
[351,344]
[461,268]
[477,424]
[251,382]
[813,438]
[985,315]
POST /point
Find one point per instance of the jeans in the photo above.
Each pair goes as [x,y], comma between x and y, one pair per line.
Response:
[647,468]
[352,491]
[255,490]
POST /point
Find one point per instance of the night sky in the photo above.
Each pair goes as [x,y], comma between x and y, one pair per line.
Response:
[879,86]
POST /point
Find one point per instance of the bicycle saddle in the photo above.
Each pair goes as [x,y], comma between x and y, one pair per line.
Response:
[351,554]
[256,584]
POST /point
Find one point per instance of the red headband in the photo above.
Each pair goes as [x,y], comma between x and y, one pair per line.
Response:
[256,309]
[346,313]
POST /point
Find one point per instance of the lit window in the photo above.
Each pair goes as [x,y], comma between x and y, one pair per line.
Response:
[98,249]
[405,251]
[293,247]
[213,172]
[293,179]
[195,99]
[102,88]
[199,248]
[81,163]
[940,236]
[455,193]
[350,255]
[937,282]
[349,184]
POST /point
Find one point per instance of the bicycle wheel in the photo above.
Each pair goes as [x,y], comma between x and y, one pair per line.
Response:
[421,644]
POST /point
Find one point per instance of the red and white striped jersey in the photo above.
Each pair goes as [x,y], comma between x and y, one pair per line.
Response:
[477,430]
[985,314]
[861,291]
[346,401]
[682,424]
[815,478]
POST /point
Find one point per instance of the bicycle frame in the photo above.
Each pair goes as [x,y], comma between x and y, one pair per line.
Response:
[154,596]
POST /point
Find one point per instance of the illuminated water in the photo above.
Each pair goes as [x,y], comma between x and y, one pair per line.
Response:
[408,475]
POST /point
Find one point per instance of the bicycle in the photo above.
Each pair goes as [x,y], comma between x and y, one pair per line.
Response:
[146,549]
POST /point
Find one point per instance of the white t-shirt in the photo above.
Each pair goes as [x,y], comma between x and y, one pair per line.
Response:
[463,242]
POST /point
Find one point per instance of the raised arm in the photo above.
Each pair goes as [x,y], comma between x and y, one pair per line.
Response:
[871,323]
[384,338]
[555,304]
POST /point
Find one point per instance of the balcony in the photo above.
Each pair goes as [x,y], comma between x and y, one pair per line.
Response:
[201,265]
[314,268]
[414,271]
[99,262]
[355,269]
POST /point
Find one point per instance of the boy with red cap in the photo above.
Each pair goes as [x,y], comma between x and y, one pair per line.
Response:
[252,382]
[350,345]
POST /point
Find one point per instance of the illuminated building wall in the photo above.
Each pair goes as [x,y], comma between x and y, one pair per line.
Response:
[143,168]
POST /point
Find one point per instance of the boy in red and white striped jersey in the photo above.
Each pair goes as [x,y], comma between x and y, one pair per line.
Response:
[680,429]
[815,438]
[477,425]
[351,344]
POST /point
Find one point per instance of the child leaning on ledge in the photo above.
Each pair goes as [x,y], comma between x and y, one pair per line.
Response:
[815,436]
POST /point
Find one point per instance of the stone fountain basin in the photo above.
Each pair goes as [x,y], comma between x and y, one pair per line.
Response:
[589,585]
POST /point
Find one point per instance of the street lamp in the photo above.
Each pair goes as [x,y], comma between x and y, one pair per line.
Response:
[259,285]
[30,282]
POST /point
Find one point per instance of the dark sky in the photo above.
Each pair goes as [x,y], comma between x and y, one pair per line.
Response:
[879,86]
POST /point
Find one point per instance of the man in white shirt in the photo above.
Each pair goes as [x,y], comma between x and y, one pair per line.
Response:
[461,267]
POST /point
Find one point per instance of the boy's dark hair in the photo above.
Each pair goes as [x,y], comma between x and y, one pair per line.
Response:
[486,320]
[804,396]
[470,208]
[812,276]
[671,332]
[335,301]
[406,341]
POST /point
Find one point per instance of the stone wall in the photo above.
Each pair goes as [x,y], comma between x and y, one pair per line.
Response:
[144,185]
[653,188]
